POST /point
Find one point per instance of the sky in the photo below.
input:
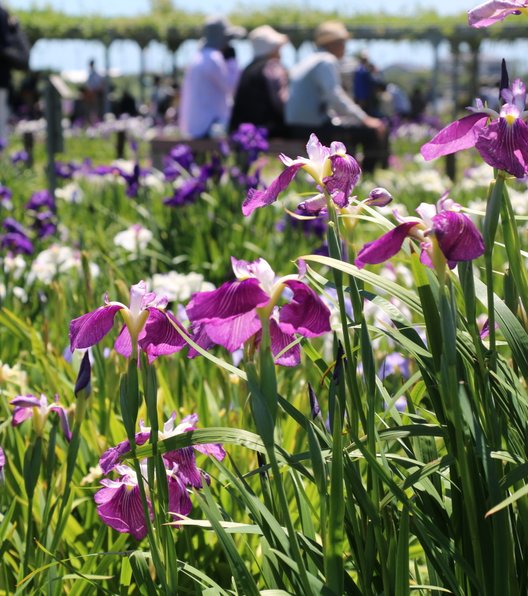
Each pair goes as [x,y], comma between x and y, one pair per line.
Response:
[129,7]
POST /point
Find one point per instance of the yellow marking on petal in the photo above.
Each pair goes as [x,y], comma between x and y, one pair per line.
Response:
[134,324]
[510,119]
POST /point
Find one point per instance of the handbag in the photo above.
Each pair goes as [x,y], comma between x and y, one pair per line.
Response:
[17,49]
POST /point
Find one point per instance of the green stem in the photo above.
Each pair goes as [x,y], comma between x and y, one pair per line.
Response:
[491,221]
[354,407]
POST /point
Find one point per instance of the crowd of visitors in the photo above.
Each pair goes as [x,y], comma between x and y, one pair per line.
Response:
[215,96]
[310,97]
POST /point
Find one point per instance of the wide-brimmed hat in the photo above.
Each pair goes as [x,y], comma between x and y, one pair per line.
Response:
[265,40]
[329,32]
[217,32]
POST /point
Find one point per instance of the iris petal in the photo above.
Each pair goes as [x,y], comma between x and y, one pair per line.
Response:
[457,236]
[260,198]
[229,300]
[159,337]
[121,508]
[505,146]
[491,12]
[345,175]
[385,247]
[306,314]
[279,340]
[88,329]
[458,135]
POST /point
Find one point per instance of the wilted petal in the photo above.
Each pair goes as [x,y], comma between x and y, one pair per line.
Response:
[159,337]
[458,135]
[505,146]
[306,314]
[345,175]
[385,247]
[279,341]
[457,236]
[88,329]
[229,300]
[260,198]
[491,12]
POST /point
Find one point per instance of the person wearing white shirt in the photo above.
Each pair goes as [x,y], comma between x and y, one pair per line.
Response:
[318,103]
[209,82]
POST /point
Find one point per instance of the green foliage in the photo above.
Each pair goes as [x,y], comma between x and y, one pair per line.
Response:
[362,497]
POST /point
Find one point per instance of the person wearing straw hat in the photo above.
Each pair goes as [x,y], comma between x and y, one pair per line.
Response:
[263,87]
[209,81]
[318,102]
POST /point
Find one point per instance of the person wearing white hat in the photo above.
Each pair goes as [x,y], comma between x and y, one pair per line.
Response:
[318,102]
[209,81]
[263,87]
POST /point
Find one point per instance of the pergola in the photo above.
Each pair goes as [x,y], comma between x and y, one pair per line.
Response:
[173,28]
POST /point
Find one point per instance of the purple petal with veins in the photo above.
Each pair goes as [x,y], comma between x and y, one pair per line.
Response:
[458,135]
[385,247]
[260,198]
[306,314]
[88,329]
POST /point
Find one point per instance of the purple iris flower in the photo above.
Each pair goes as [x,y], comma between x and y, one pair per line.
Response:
[119,502]
[331,168]
[38,408]
[186,193]
[44,224]
[40,199]
[179,158]
[21,157]
[5,194]
[132,181]
[183,457]
[16,238]
[17,243]
[250,140]
[147,324]
[455,234]
[493,11]
[66,170]
[231,315]
[500,138]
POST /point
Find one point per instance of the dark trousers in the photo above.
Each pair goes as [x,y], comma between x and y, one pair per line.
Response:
[375,147]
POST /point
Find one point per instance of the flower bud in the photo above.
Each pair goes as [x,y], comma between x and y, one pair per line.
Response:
[378,197]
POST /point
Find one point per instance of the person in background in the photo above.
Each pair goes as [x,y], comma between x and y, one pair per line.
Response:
[160,98]
[5,77]
[94,92]
[263,87]
[210,81]
[366,84]
[318,103]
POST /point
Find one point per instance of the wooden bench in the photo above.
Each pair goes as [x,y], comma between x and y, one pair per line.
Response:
[161,145]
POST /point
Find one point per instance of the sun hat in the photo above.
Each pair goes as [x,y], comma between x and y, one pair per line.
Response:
[266,40]
[329,32]
[217,32]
